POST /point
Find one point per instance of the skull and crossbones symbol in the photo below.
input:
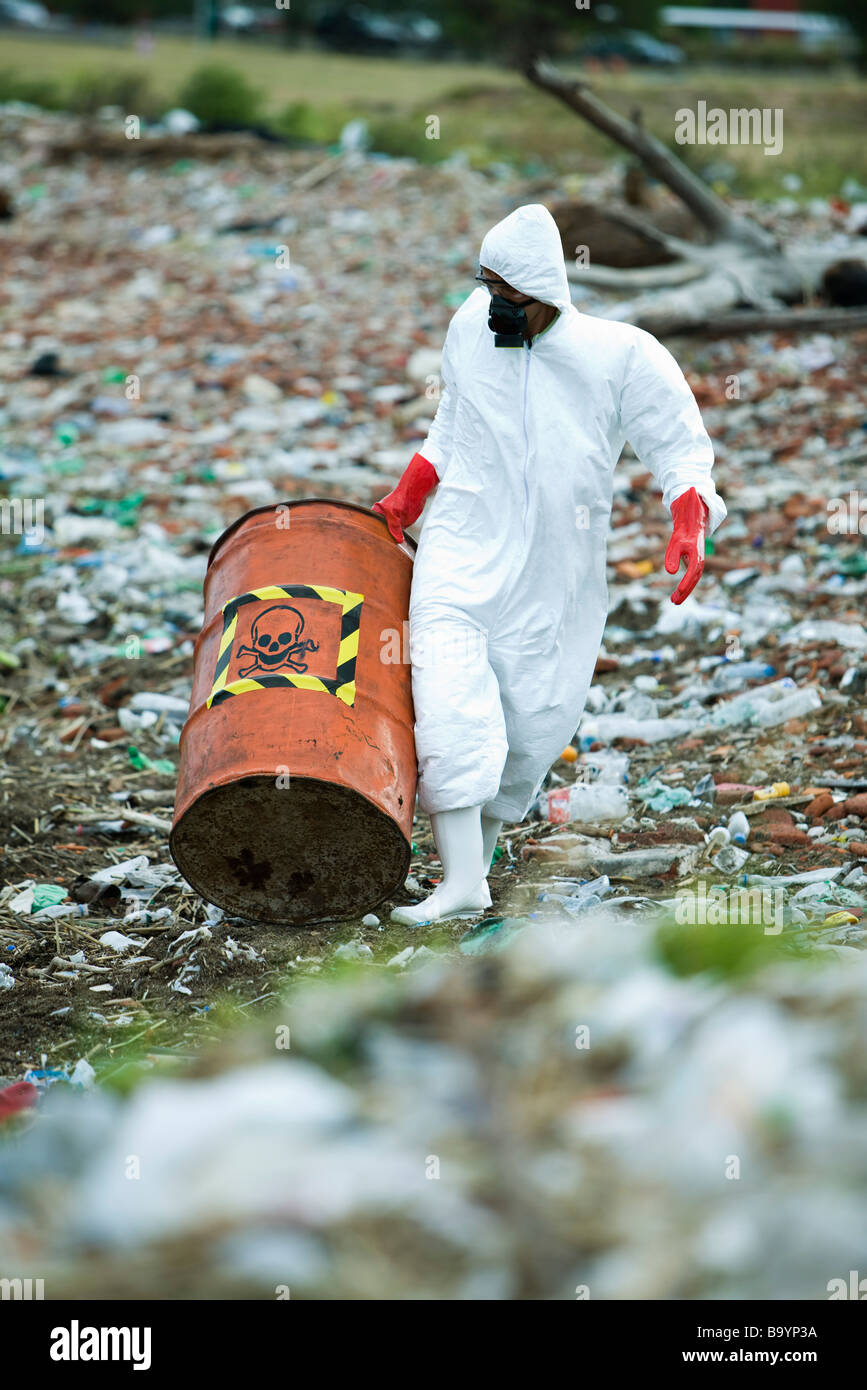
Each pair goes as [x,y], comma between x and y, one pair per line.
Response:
[277,642]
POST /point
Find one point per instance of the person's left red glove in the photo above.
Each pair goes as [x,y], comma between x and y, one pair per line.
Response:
[690,515]
[404,505]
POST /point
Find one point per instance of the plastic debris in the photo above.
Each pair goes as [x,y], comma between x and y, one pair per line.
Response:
[141,762]
[354,950]
[83,1074]
[583,897]
[46,895]
[118,942]
[584,801]
[659,797]
[773,792]
[491,935]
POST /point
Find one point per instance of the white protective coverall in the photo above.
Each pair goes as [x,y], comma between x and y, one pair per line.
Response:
[509,595]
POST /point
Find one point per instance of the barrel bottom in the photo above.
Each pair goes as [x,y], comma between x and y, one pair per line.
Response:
[295,856]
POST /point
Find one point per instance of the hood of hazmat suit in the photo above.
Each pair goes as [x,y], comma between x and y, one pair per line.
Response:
[526,251]
[509,595]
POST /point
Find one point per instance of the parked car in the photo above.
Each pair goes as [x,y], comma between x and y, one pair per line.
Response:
[358,29]
[631,46]
[246,20]
[25,14]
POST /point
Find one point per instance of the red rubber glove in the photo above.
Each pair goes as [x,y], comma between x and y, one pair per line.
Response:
[690,515]
[404,506]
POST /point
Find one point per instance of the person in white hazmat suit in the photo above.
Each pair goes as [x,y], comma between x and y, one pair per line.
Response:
[509,595]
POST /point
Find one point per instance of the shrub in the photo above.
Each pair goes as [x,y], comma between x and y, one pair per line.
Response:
[88,91]
[405,136]
[301,121]
[218,94]
[38,91]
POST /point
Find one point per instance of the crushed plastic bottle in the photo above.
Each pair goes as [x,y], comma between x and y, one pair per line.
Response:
[730,859]
[764,706]
[604,765]
[705,788]
[793,706]
[608,727]
[810,632]
[584,801]
[583,898]
[62,910]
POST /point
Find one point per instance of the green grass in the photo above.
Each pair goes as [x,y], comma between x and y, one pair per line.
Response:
[285,75]
[728,951]
[488,113]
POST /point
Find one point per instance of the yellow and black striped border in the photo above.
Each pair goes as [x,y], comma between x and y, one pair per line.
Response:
[342,684]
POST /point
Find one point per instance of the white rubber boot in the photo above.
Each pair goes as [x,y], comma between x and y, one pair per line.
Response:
[490,832]
[464,890]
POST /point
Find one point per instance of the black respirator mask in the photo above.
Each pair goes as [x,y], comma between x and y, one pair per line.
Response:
[507,321]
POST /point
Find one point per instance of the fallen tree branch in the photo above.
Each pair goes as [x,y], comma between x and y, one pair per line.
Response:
[740,282]
[651,277]
[636,222]
[705,205]
[786,321]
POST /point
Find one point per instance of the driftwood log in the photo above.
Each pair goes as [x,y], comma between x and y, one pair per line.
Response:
[741,279]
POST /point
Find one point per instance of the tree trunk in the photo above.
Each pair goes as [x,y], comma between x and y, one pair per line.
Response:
[743,268]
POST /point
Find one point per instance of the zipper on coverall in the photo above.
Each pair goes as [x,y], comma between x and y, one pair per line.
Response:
[526,443]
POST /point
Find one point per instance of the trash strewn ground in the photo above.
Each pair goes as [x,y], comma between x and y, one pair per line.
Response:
[564,1119]
[162,374]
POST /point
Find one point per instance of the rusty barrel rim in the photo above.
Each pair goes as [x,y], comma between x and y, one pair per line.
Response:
[302,502]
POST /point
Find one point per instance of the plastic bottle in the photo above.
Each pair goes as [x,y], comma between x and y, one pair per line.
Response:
[610,726]
[718,837]
[605,765]
[61,910]
[574,906]
[739,828]
[793,706]
[733,675]
[776,789]
[731,859]
[705,788]
[585,897]
[584,801]
[765,704]
[597,887]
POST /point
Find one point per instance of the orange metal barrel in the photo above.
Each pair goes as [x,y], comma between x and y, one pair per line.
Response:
[297,775]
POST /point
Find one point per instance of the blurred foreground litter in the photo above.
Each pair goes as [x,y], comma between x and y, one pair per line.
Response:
[563,1118]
